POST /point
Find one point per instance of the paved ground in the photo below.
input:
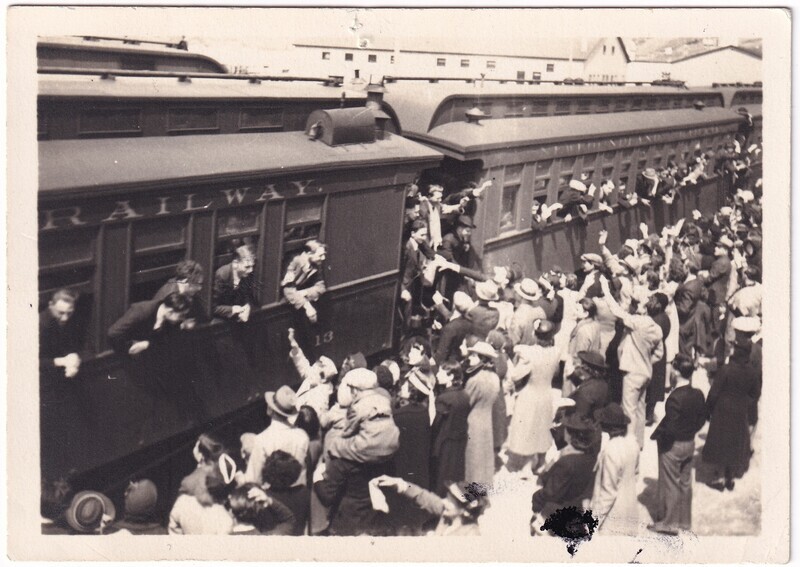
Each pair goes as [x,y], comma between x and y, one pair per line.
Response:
[736,512]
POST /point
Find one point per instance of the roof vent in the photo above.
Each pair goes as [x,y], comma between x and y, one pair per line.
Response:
[341,126]
[475,115]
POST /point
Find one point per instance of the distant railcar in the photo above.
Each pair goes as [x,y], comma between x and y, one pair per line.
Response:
[535,158]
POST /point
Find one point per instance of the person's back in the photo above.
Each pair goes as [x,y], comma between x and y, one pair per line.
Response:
[413,454]
[190,517]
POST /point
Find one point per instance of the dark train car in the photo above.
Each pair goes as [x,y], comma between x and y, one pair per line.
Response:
[88,106]
[116,215]
[90,52]
[423,106]
[534,158]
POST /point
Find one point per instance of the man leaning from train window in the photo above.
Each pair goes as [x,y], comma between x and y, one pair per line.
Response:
[303,284]
[147,321]
[234,286]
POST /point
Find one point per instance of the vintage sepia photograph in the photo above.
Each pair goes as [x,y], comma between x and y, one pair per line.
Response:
[400,274]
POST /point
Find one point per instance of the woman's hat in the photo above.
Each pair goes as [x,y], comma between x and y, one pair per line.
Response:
[141,498]
[483,349]
[612,415]
[577,185]
[528,289]
[282,402]
[543,328]
[327,367]
[85,513]
[593,359]
[631,263]
[578,422]
[486,291]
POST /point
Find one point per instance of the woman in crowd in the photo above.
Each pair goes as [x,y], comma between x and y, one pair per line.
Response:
[449,428]
[482,387]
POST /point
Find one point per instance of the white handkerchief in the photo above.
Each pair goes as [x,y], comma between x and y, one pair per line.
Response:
[377,497]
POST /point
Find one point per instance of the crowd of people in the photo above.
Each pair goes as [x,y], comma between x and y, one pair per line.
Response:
[553,379]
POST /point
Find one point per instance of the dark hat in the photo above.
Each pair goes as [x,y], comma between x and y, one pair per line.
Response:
[612,415]
[282,402]
[85,513]
[544,329]
[141,498]
[465,220]
[578,422]
[593,359]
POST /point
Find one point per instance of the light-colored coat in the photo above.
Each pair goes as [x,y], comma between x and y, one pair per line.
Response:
[482,389]
[533,412]
[614,496]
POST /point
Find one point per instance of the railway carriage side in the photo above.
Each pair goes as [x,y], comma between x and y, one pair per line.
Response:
[534,159]
[116,216]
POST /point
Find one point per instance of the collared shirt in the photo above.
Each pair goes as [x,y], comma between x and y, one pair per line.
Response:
[278,437]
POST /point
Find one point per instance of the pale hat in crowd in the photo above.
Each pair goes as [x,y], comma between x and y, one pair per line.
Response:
[327,367]
[725,241]
[500,276]
[746,196]
[85,513]
[577,185]
[632,264]
[650,173]
[726,211]
[483,349]
[487,291]
[632,243]
[282,402]
[361,379]
[247,441]
[595,259]
[746,324]
[435,189]
[528,289]
[462,302]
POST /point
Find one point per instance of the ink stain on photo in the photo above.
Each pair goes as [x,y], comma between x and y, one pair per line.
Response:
[573,525]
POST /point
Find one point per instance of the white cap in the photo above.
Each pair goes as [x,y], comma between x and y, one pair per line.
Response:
[746,324]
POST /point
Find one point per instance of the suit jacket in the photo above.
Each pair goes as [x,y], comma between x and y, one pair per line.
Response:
[56,341]
[135,325]
[303,281]
[646,188]
[450,338]
[572,199]
[717,280]
[463,254]
[198,309]
[685,414]
[225,295]
[567,483]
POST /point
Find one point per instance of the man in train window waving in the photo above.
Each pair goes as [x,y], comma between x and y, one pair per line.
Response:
[576,200]
[304,283]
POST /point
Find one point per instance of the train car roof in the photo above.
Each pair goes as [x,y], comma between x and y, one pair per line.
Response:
[728,92]
[92,86]
[84,166]
[459,139]
[117,46]
[416,102]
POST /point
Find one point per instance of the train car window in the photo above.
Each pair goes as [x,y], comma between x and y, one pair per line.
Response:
[181,120]
[662,103]
[158,245]
[563,107]
[602,106]
[539,108]
[627,153]
[137,63]
[584,107]
[657,161]
[608,172]
[677,103]
[234,228]
[636,105]
[671,157]
[266,118]
[303,223]
[625,167]
[98,121]
[650,103]
[608,157]
[542,178]
[513,173]
[589,160]
[508,209]
[641,165]
[620,105]
[564,179]
[65,249]
[515,108]
[758,98]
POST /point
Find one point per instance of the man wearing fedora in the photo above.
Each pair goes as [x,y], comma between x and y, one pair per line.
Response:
[457,248]
[647,183]
[576,200]
[281,434]
[521,331]
[483,316]
[684,415]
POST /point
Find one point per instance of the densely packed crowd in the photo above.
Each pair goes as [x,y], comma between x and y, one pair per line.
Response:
[552,378]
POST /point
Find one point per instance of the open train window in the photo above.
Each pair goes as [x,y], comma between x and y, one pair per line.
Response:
[67,260]
[236,227]
[602,106]
[303,223]
[542,178]
[608,172]
[625,167]
[515,109]
[584,107]
[158,246]
[636,105]
[508,208]
[137,63]
[650,103]
[620,105]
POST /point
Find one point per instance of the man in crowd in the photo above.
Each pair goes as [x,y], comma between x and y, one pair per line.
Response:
[235,287]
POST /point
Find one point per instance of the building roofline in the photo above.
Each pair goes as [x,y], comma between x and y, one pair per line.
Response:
[735,48]
[472,54]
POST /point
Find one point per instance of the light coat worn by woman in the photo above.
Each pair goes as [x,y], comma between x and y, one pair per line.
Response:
[482,388]
[614,500]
